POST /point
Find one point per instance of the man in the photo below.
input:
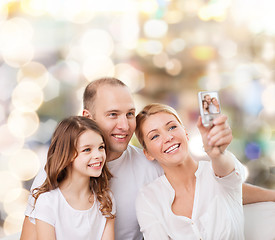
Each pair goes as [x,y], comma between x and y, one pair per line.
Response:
[109,102]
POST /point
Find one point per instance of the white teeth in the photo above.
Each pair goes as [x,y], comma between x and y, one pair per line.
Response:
[170,149]
[95,165]
[120,136]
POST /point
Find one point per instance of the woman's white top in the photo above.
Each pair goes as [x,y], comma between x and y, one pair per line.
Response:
[69,223]
[217,209]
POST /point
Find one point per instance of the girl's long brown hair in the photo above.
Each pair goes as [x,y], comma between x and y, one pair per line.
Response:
[62,150]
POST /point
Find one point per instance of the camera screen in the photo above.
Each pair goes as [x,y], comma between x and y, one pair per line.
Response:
[210,103]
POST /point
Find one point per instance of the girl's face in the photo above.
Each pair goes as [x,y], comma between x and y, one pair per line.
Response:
[165,139]
[91,155]
[215,101]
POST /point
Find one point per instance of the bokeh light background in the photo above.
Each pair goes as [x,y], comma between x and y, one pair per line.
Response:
[165,50]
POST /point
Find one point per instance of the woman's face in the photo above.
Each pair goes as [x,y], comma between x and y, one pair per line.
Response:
[165,139]
[215,101]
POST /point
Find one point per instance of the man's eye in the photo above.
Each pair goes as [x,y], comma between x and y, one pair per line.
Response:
[130,114]
[112,114]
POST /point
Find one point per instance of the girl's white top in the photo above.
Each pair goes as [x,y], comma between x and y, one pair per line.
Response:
[69,223]
[217,209]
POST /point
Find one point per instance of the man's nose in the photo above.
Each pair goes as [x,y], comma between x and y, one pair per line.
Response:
[123,123]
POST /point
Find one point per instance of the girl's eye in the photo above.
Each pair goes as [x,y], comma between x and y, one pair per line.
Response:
[87,150]
[102,147]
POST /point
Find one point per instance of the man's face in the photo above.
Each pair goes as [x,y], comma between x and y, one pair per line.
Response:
[114,112]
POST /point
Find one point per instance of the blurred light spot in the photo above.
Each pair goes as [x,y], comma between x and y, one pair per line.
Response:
[23,124]
[34,7]
[13,223]
[2,113]
[228,49]
[155,28]
[98,66]
[252,150]
[203,53]
[153,47]
[160,60]
[173,67]
[148,6]
[18,55]
[215,10]
[246,172]
[268,99]
[132,77]
[24,164]
[268,51]
[46,130]
[173,16]
[97,42]
[196,146]
[27,96]
[10,182]
[15,32]
[16,200]
[176,46]
[67,72]
[33,71]
[4,12]
[52,89]
[9,143]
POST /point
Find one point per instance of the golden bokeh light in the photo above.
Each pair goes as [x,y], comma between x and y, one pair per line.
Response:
[16,200]
[13,223]
[160,60]
[33,71]
[23,124]
[155,28]
[131,76]
[97,42]
[173,67]
[98,66]
[27,96]
[18,55]
[24,164]
[10,182]
[9,143]
[34,7]
[203,53]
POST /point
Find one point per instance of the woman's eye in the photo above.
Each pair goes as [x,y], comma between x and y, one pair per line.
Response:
[173,127]
[154,137]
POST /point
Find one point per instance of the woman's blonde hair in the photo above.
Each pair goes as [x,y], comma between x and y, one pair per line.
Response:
[146,112]
[63,150]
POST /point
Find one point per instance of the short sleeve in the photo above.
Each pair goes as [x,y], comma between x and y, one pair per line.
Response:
[113,203]
[38,181]
[44,209]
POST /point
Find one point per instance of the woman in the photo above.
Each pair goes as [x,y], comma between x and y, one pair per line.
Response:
[192,200]
[74,202]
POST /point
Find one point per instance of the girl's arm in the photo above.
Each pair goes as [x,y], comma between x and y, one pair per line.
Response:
[109,231]
[44,230]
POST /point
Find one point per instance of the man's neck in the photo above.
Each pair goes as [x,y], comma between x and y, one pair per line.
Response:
[113,156]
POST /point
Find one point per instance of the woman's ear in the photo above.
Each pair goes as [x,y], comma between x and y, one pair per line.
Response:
[147,155]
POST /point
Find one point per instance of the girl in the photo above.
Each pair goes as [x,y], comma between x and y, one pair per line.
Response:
[74,202]
[205,107]
[192,200]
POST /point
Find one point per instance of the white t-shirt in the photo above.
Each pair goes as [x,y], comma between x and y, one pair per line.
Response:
[131,171]
[217,210]
[69,223]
